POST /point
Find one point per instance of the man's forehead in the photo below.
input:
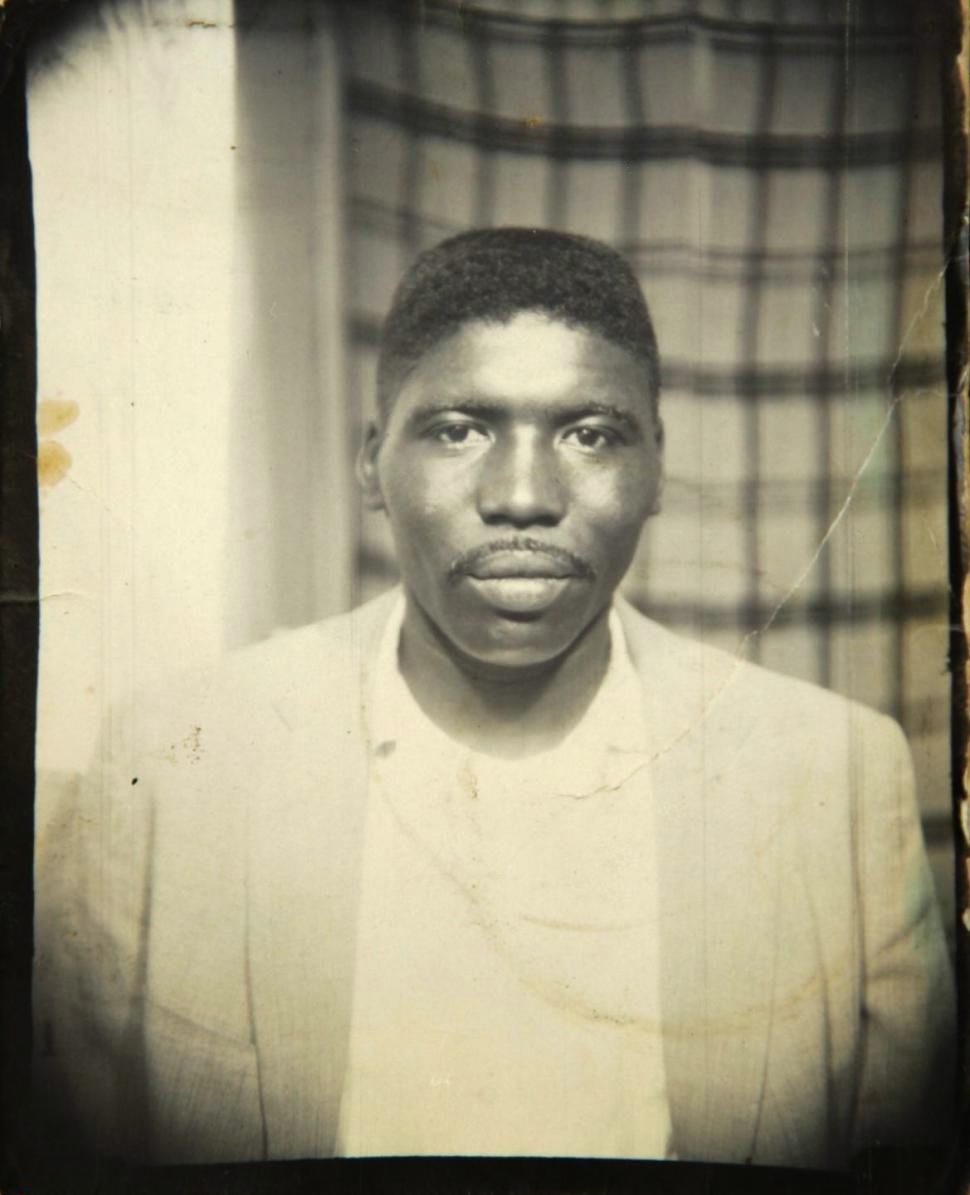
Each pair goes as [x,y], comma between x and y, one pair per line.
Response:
[529,353]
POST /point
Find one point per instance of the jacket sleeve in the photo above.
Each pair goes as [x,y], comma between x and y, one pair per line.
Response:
[145,1041]
[905,1093]
[92,879]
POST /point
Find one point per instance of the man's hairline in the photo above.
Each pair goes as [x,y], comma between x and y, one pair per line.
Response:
[386,401]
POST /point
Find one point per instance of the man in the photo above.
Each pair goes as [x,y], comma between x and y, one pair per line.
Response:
[496,865]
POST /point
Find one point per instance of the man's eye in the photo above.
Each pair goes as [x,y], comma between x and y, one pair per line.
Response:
[592,437]
[458,435]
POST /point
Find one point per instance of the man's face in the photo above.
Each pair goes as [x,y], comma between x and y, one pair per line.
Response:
[516,465]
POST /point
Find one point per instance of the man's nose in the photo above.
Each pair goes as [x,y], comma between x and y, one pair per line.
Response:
[520,484]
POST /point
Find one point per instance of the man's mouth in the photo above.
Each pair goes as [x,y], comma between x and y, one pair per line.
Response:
[521,564]
[521,577]
[519,595]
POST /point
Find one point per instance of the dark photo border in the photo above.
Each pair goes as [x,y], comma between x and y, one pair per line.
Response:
[25,1164]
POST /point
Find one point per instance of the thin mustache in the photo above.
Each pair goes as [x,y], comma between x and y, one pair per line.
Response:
[470,560]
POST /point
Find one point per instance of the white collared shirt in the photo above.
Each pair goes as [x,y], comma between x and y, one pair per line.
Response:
[506,996]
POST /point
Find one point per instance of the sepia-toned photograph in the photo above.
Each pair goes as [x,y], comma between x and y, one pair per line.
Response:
[495,690]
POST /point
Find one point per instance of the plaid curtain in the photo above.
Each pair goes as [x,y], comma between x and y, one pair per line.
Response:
[772,173]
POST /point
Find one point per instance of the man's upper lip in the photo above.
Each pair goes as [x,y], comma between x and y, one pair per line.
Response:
[520,563]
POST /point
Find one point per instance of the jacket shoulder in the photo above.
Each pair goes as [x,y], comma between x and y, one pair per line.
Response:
[296,676]
[744,697]
[340,641]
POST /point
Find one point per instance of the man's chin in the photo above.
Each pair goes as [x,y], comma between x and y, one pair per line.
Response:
[521,629]
[521,639]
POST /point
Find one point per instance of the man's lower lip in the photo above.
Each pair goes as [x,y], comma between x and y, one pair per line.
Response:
[520,595]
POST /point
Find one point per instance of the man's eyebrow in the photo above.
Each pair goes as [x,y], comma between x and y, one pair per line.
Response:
[627,418]
[457,406]
[566,413]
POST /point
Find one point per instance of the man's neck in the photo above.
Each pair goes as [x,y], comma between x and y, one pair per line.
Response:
[510,712]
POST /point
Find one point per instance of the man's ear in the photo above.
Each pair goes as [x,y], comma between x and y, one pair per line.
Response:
[367,473]
[661,472]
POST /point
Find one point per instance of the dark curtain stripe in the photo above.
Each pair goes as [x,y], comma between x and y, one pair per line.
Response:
[830,611]
[509,26]
[793,267]
[824,285]
[749,614]
[557,141]
[481,50]
[899,318]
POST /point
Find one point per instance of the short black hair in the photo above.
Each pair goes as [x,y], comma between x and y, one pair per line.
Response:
[492,274]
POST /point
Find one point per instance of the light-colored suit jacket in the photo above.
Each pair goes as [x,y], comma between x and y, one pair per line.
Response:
[196,939]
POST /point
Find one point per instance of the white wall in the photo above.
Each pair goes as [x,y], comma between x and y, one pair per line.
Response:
[131,122]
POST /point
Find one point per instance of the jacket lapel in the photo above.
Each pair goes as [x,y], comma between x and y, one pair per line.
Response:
[306,847]
[717,943]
